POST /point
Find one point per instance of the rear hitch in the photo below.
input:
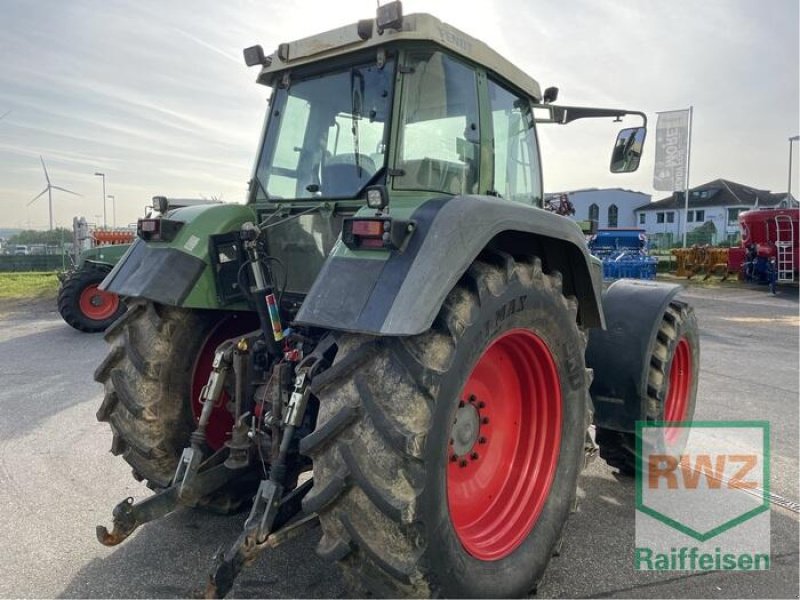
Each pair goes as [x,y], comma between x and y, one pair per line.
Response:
[266,527]
[128,516]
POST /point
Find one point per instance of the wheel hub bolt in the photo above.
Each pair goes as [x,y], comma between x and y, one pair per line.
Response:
[463,463]
[472,398]
[481,440]
[453,458]
[474,456]
[485,420]
[481,404]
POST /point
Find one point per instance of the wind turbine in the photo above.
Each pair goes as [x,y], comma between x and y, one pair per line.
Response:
[49,191]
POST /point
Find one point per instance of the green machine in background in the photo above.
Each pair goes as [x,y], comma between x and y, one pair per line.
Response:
[81,302]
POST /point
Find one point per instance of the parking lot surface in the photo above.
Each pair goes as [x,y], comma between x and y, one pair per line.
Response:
[58,480]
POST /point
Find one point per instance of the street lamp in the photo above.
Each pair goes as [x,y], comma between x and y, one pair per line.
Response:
[789,187]
[103,175]
[113,209]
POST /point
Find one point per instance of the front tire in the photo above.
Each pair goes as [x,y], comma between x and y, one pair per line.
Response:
[502,375]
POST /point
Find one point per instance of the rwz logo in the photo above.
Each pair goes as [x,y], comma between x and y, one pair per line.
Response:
[704,505]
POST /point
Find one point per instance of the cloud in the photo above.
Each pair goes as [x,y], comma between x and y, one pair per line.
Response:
[156,94]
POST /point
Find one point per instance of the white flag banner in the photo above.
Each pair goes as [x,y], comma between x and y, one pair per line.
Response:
[672,139]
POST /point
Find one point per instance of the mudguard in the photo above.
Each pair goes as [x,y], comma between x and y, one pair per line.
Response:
[178,273]
[403,294]
[620,355]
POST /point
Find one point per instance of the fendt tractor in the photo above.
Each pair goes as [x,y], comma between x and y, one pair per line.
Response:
[389,340]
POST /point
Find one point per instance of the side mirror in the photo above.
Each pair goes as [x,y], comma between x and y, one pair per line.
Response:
[628,150]
[254,55]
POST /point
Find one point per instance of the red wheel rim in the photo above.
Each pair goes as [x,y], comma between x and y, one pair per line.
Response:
[219,426]
[97,305]
[498,485]
[676,404]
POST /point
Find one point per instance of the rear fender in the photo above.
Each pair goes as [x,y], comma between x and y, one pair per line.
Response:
[178,273]
[402,294]
[620,355]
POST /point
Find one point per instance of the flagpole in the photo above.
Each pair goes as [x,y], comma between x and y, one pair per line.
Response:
[686,191]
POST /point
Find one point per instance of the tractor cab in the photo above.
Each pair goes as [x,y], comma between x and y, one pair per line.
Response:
[393,113]
[416,108]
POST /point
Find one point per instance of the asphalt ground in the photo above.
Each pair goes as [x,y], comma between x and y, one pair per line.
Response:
[58,480]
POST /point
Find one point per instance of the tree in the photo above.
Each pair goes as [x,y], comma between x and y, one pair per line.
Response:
[30,236]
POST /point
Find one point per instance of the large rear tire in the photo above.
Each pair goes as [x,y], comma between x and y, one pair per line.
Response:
[446,464]
[158,354]
[83,305]
[671,388]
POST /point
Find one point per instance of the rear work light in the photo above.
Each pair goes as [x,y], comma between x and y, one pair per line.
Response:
[157,230]
[377,197]
[160,204]
[376,233]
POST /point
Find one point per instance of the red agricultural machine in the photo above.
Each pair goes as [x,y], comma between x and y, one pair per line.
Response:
[769,236]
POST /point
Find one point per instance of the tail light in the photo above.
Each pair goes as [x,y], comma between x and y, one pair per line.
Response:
[376,233]
[157,230]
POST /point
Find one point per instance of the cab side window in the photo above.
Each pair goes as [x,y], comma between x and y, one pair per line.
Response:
[440,140]
[517,174]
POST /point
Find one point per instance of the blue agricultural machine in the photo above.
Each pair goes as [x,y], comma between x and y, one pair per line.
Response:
[624,253]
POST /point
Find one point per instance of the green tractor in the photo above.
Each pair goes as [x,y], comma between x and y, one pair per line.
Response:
[81,302]
[389,339]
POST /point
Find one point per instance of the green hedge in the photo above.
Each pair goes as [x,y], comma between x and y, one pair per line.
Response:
[41,262]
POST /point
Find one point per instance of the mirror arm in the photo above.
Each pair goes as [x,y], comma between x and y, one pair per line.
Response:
[566,114]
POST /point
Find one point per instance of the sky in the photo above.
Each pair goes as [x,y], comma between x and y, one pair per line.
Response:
[156,95]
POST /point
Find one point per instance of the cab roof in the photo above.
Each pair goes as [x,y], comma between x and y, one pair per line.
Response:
[415,28]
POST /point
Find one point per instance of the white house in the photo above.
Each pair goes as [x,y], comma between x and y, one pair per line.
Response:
[611,207]
[718,202]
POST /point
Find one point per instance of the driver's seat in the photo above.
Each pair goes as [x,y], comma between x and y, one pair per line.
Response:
[342,178]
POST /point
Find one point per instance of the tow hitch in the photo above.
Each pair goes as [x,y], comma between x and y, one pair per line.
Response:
[127,515]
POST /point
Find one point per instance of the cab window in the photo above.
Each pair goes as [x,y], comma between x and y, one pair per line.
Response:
[516,156]
[326,135]
[440,140]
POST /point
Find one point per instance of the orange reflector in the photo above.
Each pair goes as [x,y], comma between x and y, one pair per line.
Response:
[368,228]
[371,243]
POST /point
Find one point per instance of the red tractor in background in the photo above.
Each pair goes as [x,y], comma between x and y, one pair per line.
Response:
[770,245]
